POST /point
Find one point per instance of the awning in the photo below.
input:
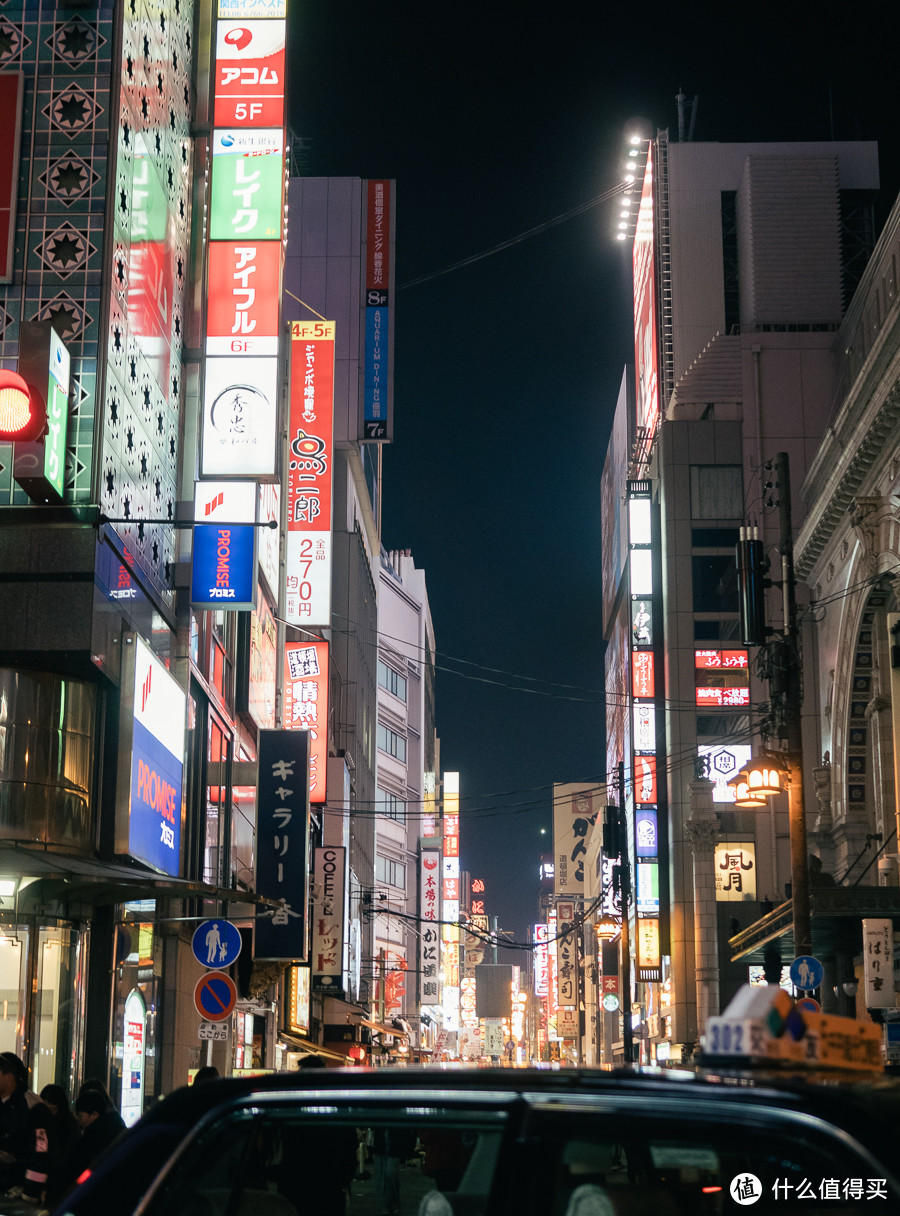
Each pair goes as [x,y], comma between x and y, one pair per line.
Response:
[71,879]
[836,915]
[306,1047]
[380,1028]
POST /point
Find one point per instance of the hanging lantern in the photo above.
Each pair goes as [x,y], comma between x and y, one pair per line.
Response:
[764,777]
[744,796]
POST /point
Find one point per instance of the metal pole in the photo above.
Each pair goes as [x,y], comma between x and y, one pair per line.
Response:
[793,732]
[627,1033]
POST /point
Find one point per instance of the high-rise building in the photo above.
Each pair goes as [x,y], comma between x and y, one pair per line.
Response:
[744,259]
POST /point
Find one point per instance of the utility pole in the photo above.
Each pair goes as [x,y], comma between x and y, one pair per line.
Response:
[786,680]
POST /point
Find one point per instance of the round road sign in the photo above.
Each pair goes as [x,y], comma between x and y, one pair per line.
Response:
[809,1004]
[215,995]
[807,973]
[216,943]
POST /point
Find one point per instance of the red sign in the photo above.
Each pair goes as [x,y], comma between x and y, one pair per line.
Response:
[723,696]
[645,791]
[728,659]
[645,354]
[643,683]
[215,996]
[306,705]
[244,292]
[11,109]
[249,74]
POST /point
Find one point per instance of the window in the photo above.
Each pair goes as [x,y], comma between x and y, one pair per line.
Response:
[392,680]
[392,743]
[390,871]
[715,587]
[391,806]
[717,491]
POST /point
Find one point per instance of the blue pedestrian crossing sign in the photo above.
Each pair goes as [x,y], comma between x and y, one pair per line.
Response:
[216,943]
[807,973]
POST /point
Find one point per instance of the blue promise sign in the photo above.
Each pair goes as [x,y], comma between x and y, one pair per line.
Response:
[157,764]
[223,567]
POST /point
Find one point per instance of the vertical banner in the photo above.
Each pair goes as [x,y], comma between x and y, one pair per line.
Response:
[878,963]
[429,938]
[566,955]
[282,833]
[11,90]
[376,340]
[645,344]
[575,809]
[307,598]
[329,904]
[306,706]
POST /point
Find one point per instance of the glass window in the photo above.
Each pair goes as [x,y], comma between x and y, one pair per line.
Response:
[392,680]
[390,871]
[391,806]
[58,1015]
[217,817]
[714,581]
[392,743]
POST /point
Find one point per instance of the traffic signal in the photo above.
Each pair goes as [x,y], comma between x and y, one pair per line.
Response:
[23,414]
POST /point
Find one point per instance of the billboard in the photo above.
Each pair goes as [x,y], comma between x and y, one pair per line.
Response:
[329,917]
[645,335]
[243,298]
[575,810]
[249,85]
[377,336]
[282,835]
[223,555]
[154,708]
[308,481]
[306,705]
[429,937]
[240,409]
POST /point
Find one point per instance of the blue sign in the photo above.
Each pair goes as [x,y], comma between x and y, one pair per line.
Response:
[216,943]
[375,369]
[282,817]
[646,833]
[223,566]
[215,996]
[154,832]
[807,973]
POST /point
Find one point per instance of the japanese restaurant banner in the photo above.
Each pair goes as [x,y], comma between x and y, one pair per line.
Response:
[327,953]
[306,706]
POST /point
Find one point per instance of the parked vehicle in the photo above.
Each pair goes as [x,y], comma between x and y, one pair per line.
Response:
[526,1143]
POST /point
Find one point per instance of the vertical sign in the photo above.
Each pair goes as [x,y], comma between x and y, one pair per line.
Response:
[574,814]
[306,706]
[376,353]
[429,938]
[878,963]
[566,955]
[11,87]
[133,1055]
[645,346]
[309,474]
[541,961]
[223,556]
[282,832]
[450,902]
[735,870]
[327,953]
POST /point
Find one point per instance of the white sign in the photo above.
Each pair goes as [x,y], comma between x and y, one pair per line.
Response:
[567,1022]
[216,1032]
[239,417]
[575,810]
[878,963]
[724,763]
[328,917]
[227,502]
[133,1058]
[735,871]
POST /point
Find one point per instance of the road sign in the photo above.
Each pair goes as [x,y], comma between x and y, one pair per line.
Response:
[809,1004]
[807,973]
[217,1032]
[216,943]
[215,995]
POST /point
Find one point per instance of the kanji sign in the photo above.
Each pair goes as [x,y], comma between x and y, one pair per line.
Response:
[282,816]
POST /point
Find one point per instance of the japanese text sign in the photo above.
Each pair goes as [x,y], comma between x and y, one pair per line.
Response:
[282,828]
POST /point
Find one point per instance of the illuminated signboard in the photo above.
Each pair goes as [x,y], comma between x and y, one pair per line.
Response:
[39,466]
[246,197]
[646,832]
[376,349]
[306,705]
[645,790]
[725,762]
[735,871]
[242,314]
[644,719]
[239,418]
[249,86]
[248,10]
[541,961]
[642,682]
[157,763]
[282,813]
[648,942]
[329,915]
[223,557]
[429,938]
[645,344]
[309,474]
[11,88]
[647,885]
[722,678]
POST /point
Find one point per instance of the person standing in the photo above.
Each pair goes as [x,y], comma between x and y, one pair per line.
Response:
[24,1132]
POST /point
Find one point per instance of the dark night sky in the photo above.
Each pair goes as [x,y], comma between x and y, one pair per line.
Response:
[496,118]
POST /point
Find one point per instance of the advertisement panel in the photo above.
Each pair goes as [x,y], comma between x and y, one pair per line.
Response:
[735,870]
[246,196]
[645,336]
[541,961]
[11,89]
[566,956]
[575,809]
[157,763]
[429,937]
[306,706]
[376,342]
[282,818]
[239,418]
[243,297]
[329,916]
[309,474]
[249,86]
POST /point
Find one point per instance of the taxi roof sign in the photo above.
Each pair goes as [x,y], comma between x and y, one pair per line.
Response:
[763,1025]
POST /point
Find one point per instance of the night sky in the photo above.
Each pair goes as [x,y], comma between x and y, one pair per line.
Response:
[495,119]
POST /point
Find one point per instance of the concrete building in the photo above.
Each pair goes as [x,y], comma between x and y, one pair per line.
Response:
[745,258]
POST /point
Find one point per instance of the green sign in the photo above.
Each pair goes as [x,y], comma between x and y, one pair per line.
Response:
[246,199]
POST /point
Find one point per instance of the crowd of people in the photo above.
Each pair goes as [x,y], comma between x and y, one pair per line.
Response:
[46,1145]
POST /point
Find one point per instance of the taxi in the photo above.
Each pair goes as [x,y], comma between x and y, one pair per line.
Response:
[521,1142]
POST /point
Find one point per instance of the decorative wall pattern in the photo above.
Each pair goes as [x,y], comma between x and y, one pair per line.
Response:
[123,452]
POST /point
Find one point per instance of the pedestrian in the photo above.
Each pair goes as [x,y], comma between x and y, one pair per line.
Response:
[100,1125]
[208,1072]
[62,1125]
[390,1146]
[24,1132]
